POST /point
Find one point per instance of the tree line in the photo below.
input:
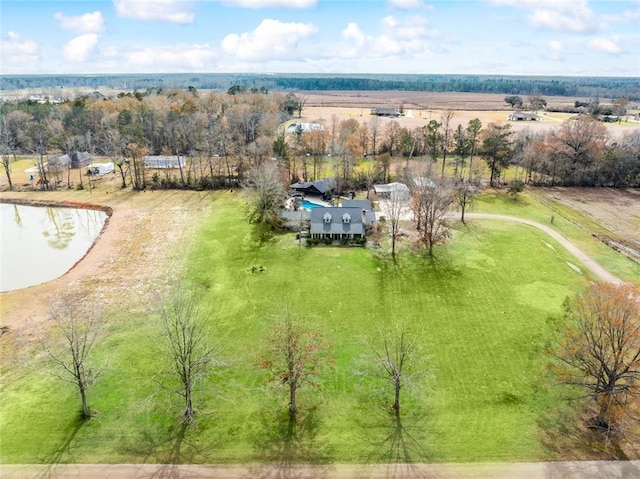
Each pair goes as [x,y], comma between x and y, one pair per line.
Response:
[224,134]
[590,87]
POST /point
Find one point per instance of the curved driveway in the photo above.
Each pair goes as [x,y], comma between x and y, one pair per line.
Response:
[598,270]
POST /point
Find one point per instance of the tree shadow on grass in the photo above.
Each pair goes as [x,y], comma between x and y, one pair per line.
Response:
[289,448]
[396,448]
[567,431]
[62,453]
[261,234]
[178,444]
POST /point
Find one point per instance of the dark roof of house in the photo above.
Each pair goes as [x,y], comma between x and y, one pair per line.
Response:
[320,186]
[336,223]
[362,204]
[385,112]
[519,115]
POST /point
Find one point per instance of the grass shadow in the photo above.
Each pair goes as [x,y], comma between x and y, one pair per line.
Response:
[396,447]
[62,454]
[178,444]
[289,448]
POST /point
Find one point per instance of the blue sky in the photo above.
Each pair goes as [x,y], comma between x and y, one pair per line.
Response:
[496,37]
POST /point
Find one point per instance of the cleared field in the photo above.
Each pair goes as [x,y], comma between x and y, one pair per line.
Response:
[421,107]
[480,312]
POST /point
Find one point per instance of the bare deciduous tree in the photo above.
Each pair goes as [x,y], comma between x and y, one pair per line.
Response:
[600,349]
[77,325]
[464,193]
[394,210]
[445,118]
[431,199]
[394,360]
[266,194]
[183,329]
[473,132]
[295,357]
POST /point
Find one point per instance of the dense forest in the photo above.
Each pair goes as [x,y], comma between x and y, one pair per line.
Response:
[224,135]
[588,87]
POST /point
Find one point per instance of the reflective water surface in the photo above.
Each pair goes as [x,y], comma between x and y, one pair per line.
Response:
[40,243]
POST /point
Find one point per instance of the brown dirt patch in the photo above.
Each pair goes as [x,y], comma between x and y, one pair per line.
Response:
[617,210]
[139,253]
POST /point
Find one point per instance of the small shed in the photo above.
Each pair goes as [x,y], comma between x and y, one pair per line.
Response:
[392,190]
[304,127]
[99,169]
[164,162]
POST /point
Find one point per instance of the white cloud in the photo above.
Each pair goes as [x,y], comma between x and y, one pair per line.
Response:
[173,11]
[406,3]
[271,3]
[574,16]
[13,45]
[195,57]
[556,46]
[87,23]
[399,37]
[556,49]
[270,40]
[18,56]
[605,45]
[80,48]
[353,32]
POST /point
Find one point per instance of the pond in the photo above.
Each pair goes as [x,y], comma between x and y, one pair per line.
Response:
[41,243]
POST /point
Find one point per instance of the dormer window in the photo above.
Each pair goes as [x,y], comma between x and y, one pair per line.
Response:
[327,218]
[346,218]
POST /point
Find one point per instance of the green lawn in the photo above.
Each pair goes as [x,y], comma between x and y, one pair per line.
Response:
[480,311]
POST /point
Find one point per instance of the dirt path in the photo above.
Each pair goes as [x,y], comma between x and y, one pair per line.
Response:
[525,470]
[595,268]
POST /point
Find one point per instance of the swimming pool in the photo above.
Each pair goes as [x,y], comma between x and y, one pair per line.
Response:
[308,205]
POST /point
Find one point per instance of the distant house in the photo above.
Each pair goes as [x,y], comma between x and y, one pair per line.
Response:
[392,190]
[337,223]
[80,159]
[304,127]
[162,161]
[76,159]
[392,112]
[59,162]
[389,112]
[523,116]
[320,187]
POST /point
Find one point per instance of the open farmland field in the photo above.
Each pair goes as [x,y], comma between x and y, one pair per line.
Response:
[616,210]
[480,312]
[421,107]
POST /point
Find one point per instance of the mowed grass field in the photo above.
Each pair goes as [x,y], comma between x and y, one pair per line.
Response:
[480,312]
